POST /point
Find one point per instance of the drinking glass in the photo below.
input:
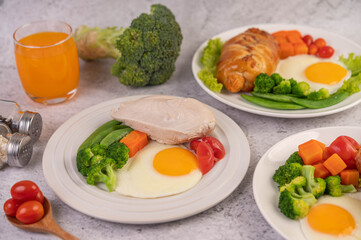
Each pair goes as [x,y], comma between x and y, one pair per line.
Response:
[47,61]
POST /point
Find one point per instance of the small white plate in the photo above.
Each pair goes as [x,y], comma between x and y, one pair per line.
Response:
[59,166]
[265,190]
[341,45]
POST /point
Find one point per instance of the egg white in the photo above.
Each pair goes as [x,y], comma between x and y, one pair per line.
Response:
[352,205]
[294,67]
[139,179]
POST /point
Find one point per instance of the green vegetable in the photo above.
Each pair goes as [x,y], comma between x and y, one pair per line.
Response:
[351,85]
[301,89]
[284,87]
[209,60]
[353,63]
[277,78]
[315,104]
[264,83]
[146,51]
[271,104]
[296,186]
[104,171]
[318,95]
[335,188]
[314,185]
[119,152]
[274,97]
[115,136]
[286,173]
[294,158]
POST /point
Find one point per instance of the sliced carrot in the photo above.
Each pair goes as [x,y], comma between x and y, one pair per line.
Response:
[294,32]
[294,39]
[300,48]
[350,176]
[286,50]
[334,164]
[135,141]
[281,39]
[279,34]
[311,152]
[321,171]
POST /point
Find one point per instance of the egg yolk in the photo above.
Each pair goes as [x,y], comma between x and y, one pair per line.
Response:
[331,219]
[326,73]
[175,162]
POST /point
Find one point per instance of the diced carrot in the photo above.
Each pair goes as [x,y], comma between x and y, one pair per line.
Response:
[300,48]
[135,141]
[326,154]
[279,34]
[311,152]
[321,171]
[322,145]
[334,164]
[281,39]
[350,176]
[286,50]
[294,39]
[294,32]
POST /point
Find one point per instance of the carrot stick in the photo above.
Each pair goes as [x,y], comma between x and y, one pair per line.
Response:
[135,141]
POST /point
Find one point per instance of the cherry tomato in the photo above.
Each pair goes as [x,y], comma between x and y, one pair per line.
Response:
[24,191]
[320,42]
[326,154]
[194,145]
[308,39]
[205,157]
[312,49]
[10,207]
[345,149]
[40,197]
[325,52]
[30,212]
[216,146]
[353,141]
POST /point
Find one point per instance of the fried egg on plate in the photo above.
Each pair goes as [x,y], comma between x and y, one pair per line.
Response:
[158,170]
[318,73]
[333,218]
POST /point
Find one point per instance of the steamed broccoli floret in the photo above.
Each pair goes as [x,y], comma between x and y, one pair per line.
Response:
[296,188]
[335,188]
[318,95]
[316,186]
[277,78]
[98,149]
[119,152]
[83,160]
[284,87]
[104,171]
[302,89]
[96,159]
[286,173]
[294,158]
[293,82]
[263,83]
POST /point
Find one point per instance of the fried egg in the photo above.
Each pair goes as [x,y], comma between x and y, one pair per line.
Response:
[318,73]
[158,170]
[333,218]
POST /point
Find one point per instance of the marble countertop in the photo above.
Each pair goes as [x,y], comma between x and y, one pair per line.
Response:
[237,217]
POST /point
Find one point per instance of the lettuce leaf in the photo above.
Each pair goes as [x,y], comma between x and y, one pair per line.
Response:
[351,85]
[353,63]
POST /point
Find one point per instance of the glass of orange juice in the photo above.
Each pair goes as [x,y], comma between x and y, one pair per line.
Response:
[47,61]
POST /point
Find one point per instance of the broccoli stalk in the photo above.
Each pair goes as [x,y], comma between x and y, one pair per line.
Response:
[286,173]
[146,51]
[335,188]
[104,171]
[316,186]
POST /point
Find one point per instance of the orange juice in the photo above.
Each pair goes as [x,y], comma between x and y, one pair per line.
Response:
[48,65]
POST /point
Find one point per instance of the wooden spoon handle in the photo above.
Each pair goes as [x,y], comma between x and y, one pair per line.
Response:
[58,231]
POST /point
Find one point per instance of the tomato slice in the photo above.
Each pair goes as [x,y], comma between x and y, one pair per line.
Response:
[345,149]
[194,145]
[30,212]
[216,146]
[24,191]
[205,157]
[10,207]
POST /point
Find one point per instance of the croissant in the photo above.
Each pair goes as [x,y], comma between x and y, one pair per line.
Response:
[244,57]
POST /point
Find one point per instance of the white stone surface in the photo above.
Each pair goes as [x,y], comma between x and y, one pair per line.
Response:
[237,217]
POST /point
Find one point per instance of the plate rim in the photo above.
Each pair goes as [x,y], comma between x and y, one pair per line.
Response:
[270,112]
[54,185]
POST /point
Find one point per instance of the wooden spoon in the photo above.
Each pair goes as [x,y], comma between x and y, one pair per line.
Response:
[46,225]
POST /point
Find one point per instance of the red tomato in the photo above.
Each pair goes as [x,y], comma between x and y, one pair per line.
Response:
[320,42]
[353,141]
[308,39]
[205,157]
[10,207]
[40,197]
[345,149]
[312,49]
[325,52]
[24,191]
[30,212]
[216,146]
[194,145]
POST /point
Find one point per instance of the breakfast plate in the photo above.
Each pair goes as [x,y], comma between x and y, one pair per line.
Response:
[341,45]
[60,170]
[265,190]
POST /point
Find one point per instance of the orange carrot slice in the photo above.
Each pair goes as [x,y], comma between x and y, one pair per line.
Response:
[350,176]
[311,152]
[135,141]
[321,171]
[334,164]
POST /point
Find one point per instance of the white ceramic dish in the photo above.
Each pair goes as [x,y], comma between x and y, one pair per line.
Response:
[341,45]
[265,190]
[59,166]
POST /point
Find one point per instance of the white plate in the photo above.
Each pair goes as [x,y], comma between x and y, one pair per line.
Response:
[339,43]
[265,190]
[59,166]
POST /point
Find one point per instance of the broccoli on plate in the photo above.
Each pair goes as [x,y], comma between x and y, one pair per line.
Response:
[314,185]
[286,173]
[335,188]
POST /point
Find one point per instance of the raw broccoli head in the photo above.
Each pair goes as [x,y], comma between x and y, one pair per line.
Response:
[83,160]
[301,89]
[149,47]
[335,188]
[263,83]
[318,95]
[119,152]
[294,158]
[104,171]
[283,87]
[292,206]
[314,185]
[286,173]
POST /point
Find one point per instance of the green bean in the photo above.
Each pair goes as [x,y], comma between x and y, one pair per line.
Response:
[115,136]
[316,104]
[271,104]
[274,97]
